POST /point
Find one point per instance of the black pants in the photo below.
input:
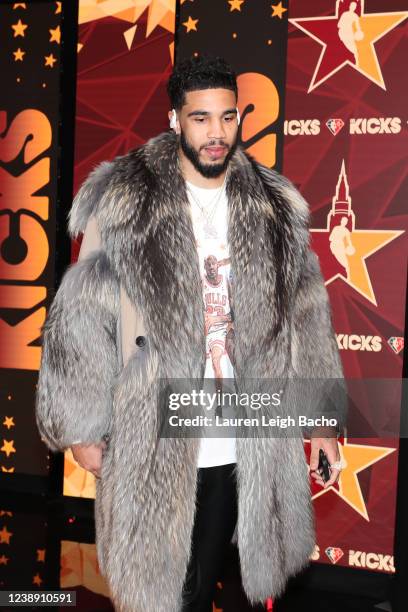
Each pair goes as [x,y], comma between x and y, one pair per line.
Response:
[214,524]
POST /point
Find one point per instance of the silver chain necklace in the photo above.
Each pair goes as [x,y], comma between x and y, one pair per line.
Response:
[208,212]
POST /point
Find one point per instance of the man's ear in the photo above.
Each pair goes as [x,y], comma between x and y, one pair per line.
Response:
[173,121]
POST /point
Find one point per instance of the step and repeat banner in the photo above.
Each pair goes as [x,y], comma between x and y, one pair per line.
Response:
[346,139]
[30,69]
[322,99]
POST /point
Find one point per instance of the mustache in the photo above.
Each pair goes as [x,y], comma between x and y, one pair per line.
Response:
[216,143]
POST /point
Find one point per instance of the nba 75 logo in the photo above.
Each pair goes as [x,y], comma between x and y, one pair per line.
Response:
[348,38]
[334,554]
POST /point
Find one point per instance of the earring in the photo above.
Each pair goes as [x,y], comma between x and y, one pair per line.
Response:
[173,119]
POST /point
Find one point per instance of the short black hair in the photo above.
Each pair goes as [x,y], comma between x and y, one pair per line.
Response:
[203,72]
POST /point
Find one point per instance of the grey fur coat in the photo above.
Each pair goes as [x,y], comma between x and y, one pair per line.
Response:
[95,380]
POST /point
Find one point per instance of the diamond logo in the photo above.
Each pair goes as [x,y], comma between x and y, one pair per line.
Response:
[396,343]
[335,125]
[334,554]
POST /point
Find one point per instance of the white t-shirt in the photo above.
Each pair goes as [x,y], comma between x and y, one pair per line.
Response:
[215,272]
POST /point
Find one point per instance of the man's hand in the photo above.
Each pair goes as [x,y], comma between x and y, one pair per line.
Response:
[89,456]
[331,448]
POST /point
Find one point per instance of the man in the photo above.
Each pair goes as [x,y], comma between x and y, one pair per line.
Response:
[130,313]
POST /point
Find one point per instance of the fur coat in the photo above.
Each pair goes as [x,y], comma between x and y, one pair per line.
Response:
[96,381]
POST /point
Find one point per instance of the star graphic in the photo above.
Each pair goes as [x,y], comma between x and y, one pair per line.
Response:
[159,12]
[366,243]
[235,5]
[8,422]
[40,555]
[6,513]
[8,447]
[343,249]
[4,469]
[278,10]
[19,5]
[50,60]
[4,560]
[55,35]
[59,8]
[19,28]
[191,24]
[37,579]
[18,55]
[357,457]
[348,38]
[5,535]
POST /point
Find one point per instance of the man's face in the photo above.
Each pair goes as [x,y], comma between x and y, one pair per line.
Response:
[209,128]
[211,267]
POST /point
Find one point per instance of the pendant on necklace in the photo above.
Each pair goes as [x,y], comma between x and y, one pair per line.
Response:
[210,231]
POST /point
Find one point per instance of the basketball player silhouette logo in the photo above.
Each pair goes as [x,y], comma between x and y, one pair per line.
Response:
[349,29]
[341,245]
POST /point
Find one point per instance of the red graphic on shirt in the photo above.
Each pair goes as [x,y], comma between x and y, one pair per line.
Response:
[218,316]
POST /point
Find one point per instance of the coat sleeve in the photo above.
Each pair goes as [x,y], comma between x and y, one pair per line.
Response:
[316,362]
[79,355]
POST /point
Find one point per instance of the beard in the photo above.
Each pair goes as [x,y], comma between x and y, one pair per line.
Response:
[207,170]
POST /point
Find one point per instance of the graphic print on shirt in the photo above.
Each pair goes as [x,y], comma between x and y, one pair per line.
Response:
[216,275]
[216,279]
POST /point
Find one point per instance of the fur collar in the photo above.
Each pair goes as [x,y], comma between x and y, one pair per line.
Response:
[142,209]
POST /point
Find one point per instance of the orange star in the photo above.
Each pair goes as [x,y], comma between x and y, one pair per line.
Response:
[8,447]
[19,28]
[278,10]
[4,469]
[37,579]
[3,560]
[191,24]
[50,60]
[8,421]
[357,457]
[58,9]
[6,512]
[19,5]
[18,57]
[55,35]
[5,535]
[235,5]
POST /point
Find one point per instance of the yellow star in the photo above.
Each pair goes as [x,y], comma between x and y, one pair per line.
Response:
[40,554]
[365,243]
[58,9]
[18,57]
[8,422]
[357,457]
[191,24]
[19,28]
[5,535]
[278,10]
[19,5]
[4,469]
[235,5]
[3,560]
[50,60]
[37,579]
[8,447]
[55,35]
[372,27]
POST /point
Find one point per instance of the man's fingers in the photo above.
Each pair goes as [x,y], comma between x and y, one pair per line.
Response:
[333,477]
[314,457]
